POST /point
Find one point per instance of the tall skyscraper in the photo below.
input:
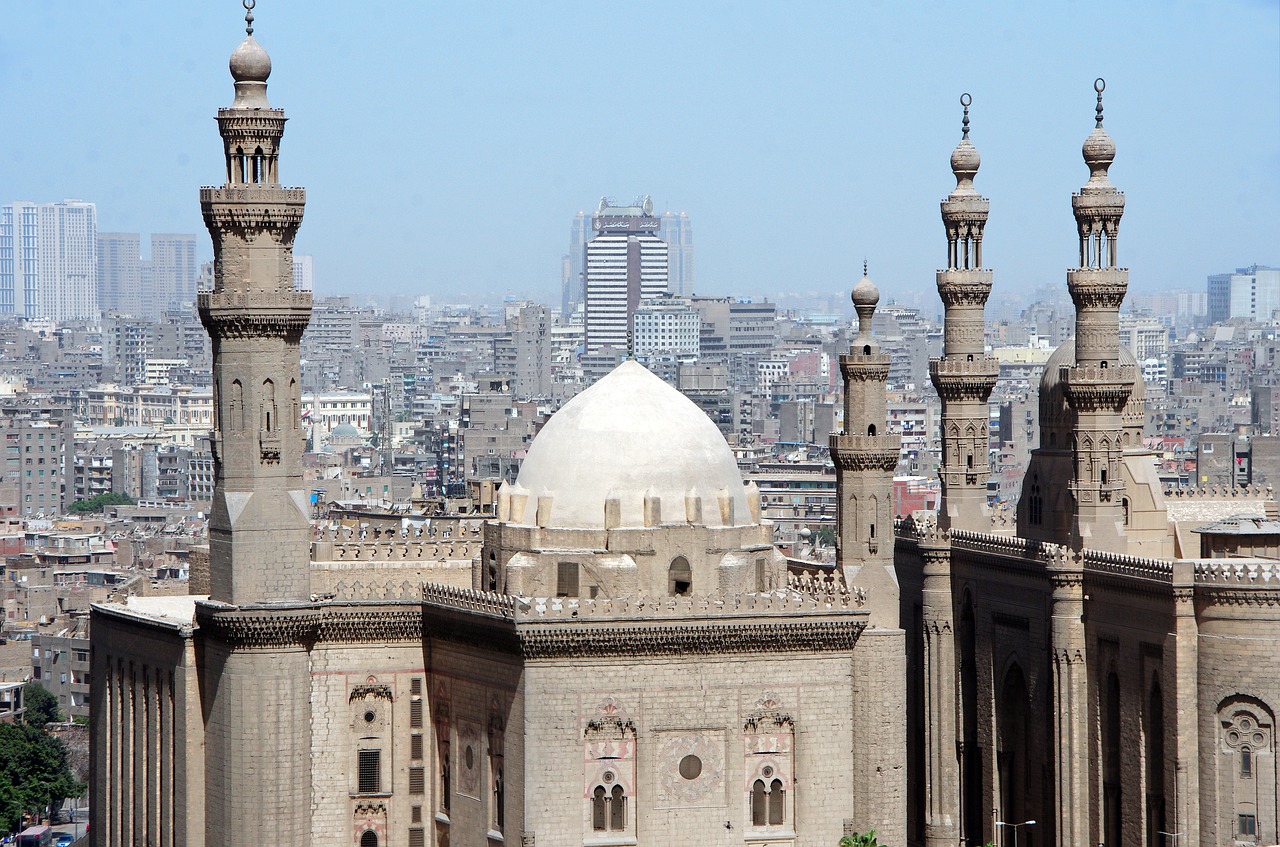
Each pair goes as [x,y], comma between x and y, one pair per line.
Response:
[626,263]
[173,271]
[571,279]
[677,231]
[119,273]
[49,260]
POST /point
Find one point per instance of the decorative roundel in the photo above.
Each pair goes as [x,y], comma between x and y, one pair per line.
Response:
[608,777]
[1246,724]
[370,716]
[690,767]
[767,770]
[1233,737]
[1259,738]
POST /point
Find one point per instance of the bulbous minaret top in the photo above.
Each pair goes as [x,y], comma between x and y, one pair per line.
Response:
[1099,150]
[865,298]
[250,67]
[965,160]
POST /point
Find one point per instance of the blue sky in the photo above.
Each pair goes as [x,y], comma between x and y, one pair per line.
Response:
[446,146]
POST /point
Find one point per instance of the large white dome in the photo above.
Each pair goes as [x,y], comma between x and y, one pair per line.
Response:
[630,436]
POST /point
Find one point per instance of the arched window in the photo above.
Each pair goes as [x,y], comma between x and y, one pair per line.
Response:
[680,576]
[599,809]
[617,810]
[268,405]
[871,429]
[759,804]
[866,350]
[776,798]
[369,838]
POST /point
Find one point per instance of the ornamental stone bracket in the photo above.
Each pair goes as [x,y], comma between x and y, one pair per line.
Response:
[377,692]
[248,628]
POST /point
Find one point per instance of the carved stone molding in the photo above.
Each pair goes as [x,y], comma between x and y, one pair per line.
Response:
[589,642]
[256,628]
[378,692]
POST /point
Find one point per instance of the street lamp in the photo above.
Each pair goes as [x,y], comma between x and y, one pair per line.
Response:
[1014,827]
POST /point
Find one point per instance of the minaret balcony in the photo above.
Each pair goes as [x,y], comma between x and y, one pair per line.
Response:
[964,286]
[866,452]
[865,367]
[965,208]
[1098,288]
[270,195]
[958,378]
[253,313]
[1093,388]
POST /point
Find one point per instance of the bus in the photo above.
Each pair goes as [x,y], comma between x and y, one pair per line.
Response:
[35,836]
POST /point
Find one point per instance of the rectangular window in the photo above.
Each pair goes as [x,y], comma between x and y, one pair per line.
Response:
[415,746]
[418,836]
[415,714]
[370,775]
[415,686]
[1248,825]
[416,815]
[417,780]
[567,579]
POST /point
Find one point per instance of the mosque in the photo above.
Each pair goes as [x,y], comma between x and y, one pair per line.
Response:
[622,657]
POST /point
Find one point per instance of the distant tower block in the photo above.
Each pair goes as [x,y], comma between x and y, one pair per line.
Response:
[1097,385]
[964,375]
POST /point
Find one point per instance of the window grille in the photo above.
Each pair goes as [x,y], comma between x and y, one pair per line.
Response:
[370,774]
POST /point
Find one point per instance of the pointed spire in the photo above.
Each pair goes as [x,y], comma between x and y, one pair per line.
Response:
[965,159]
[1099,150]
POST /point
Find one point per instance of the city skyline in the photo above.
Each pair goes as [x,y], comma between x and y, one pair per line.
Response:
[835,117]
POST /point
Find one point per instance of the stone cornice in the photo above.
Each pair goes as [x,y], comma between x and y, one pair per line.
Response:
[570,642]
[305,625]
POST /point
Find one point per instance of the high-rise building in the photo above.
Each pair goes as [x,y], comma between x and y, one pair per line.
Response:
[626,263]
[1252,293]
[119,273]
[677,231]
[49,260]
[304,273]
[571,278]
[173,272]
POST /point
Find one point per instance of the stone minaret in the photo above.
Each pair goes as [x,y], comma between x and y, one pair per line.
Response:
[865,456]
[965,375]
[256,697]
[1097,386]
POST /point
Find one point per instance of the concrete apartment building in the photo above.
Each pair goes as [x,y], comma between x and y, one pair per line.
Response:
[625,264]
[49,260]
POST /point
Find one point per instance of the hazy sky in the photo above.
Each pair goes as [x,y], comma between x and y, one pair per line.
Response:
[446,146]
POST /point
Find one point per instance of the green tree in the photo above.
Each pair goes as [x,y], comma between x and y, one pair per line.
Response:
[860,839]
[99,502]
[42,706]
[34,774]
[825,537]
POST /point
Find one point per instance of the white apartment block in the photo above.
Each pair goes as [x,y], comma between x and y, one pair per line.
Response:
[666,327]
[49,260]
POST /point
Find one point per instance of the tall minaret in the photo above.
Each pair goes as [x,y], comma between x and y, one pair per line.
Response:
[1097,386]
[258,529]
[965,375]
[256,692]
[865,456]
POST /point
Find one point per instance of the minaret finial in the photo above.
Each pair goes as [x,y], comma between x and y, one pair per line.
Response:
[966,100]
[248,15]
[864,267]
[1099,85]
